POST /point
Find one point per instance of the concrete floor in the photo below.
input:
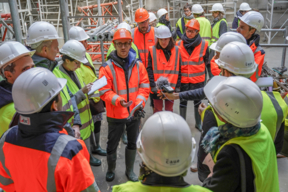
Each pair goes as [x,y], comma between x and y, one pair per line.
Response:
[273,58]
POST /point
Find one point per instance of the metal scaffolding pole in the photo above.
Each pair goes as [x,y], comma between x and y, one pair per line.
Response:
[64,17]
[284,49]
[100,20]
[140,3]
[15,20]
[120,11]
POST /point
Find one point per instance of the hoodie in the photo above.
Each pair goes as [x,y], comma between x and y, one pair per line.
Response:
[235,21]
[44,62]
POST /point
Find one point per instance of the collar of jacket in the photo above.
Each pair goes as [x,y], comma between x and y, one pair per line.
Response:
[238,14]
[119,62]
[191,42]
[44,62]
[164,21]
[255,38]
[43,122]
[5,93]
[154,179]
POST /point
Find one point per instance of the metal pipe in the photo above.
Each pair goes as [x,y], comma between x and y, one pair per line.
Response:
[102,51]
[94,16]
[64,17]
[284,49]
[120,11]
[274,45]
[15,20]
[266,30]
[141,4]
[99,12]
[7,26]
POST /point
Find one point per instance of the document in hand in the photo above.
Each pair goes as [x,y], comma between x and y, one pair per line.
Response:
[99,83]
[209,162]
[135,109]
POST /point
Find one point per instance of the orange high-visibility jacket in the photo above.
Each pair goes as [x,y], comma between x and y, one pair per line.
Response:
[136,88]
[214,67]
[259,55]
[50,161]
[143,42]
[162,67]
[193,66]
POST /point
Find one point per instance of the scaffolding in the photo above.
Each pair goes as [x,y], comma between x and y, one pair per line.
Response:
[269,19]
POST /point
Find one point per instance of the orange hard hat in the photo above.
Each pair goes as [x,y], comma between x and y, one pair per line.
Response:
[122,34]
[141,15]
[193,24]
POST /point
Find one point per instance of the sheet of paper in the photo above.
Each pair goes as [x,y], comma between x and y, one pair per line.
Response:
[135,109]
[209,162]
[99,83]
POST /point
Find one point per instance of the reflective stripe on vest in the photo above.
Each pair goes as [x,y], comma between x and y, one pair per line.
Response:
[143,42]
[261,150]
[205,29]
[193,66]
[2,159]
[215,30]
[169,69]
[55,155]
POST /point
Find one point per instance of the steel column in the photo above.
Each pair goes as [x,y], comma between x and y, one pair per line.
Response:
[15,20]
[120,11]
[284,49]
[64,17]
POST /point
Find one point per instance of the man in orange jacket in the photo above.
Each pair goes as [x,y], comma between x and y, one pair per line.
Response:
[127,86]
[250,23]
[50,159]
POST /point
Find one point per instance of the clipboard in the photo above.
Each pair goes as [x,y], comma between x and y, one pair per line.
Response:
[98,84]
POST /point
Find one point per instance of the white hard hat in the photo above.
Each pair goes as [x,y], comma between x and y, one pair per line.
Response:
[253,19]
[165,144]
[217,7]
[41,31]
[152,17]
[197,9]
[34,88]
[75,50]
[238,59]
[10,51]
[245,7]
[236,99]
[78,33]
[225,39]
[163,32]
[124,25]
[161,12]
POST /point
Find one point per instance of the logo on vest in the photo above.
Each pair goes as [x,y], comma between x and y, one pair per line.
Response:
[25,120]
[150,40]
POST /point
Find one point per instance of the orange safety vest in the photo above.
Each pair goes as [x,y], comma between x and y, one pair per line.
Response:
[193,66]
[259,59]
[116,89]
[143,42]
[162,67]
[214,67]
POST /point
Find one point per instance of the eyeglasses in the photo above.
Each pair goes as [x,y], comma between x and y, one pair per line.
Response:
[143,22]
[120,45]
[191,31]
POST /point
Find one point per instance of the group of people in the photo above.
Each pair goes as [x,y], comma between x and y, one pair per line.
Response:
[51,120]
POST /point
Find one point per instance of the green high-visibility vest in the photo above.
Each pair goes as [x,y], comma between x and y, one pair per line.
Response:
[205,29]
[179,24]
[7,113]
[88,75]
[66,99]
[112,48]
[159,24]
[273,113]
[83,107]
[139,187]
[215,30]
[261,150]
[284,150]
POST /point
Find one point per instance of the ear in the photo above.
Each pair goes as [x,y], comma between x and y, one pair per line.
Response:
[8,75]
[252,31]
[221,119]
[54,106]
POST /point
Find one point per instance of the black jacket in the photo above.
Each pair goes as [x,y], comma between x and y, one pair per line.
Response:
[226,172]
[196,94]
[154,179]
[235,21]
[5,93]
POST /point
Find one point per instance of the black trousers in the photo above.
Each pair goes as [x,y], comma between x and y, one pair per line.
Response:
[115,130]
[187,87]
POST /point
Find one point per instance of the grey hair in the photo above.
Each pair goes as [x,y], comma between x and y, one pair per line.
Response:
[38,46]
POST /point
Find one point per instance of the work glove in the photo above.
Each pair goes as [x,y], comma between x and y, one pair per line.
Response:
[140,113]
[154,90]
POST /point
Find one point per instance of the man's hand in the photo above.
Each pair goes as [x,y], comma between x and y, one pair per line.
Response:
[87,88]
[76,128]
[125,104]
[154,90]
[201,108]
[170,96]
[140,113]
